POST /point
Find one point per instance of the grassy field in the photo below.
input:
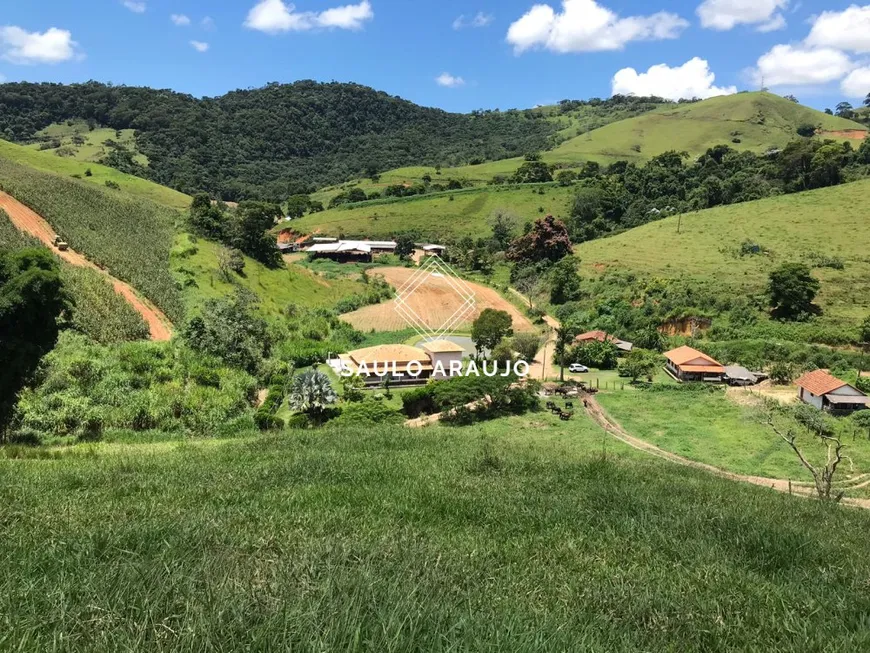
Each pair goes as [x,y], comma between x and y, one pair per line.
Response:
[195,263]
[515,535]
[830,222]
[457,214]
[93,141]
[67,167]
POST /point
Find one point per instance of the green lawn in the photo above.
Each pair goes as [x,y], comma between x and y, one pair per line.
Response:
[713,429]
[511,536]
[134,186]
[831,222]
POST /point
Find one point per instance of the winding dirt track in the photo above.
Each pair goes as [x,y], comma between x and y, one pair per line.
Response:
[30,222]
[614,428]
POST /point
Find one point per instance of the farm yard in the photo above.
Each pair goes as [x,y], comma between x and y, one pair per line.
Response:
[435,301]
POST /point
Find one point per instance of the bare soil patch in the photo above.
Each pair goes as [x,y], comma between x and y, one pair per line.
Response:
[854,134]
[435,301]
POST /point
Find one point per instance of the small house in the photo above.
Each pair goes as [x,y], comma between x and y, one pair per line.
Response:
[445,353]
[602,336]
[826,392]
[688,364]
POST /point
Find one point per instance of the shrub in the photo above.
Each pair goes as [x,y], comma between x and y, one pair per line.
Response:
[367,412]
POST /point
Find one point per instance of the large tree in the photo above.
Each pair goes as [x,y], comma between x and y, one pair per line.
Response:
[792,290]
[32,299]
[546,241]
[565,281]
[253,221]
[490,328]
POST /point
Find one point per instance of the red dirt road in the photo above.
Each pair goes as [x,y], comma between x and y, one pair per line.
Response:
[26,220]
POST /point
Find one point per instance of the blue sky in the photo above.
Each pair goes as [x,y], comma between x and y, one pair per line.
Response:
[455,54]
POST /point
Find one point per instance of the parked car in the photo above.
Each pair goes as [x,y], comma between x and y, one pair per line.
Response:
[577,368]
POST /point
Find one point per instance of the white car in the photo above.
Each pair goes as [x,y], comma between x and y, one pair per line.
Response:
[577,368]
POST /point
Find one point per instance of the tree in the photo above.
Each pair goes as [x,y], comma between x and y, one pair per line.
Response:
[829,112]
[504,227]
[253,221]
[864,333]
[526,345]
[490,328]
[792,290]
[502,352]
[32,299]
[639,363]
[232,330]
[311,394]
[867,100]
[791,98]
[404,246]
[547,240]
[861,420]
[206,219]
[565,281]
[845,110]
[565,335]
[297,205]
[352,388]
[806,130]
[533,172]
[229,261]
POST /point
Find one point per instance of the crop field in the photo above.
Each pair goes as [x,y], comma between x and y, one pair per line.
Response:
[522,534]
[195,264]
[831,222]
[435,301]
[131,238]
[67,167]
[443,215]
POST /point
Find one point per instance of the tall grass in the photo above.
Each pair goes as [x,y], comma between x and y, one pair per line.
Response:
[511,536]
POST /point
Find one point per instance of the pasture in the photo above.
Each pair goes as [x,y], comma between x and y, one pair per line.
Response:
[522,534]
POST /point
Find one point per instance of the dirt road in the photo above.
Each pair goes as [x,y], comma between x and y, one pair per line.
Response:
[26,220]
[612,427]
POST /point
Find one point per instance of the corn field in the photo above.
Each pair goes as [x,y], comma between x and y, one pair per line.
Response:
[129,237]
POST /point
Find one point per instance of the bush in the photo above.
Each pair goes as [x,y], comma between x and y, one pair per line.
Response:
[266,421]
[367,412]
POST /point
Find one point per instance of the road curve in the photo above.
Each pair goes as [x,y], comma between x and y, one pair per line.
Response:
[32,223]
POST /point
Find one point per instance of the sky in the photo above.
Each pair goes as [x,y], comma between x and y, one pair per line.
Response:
[458,55]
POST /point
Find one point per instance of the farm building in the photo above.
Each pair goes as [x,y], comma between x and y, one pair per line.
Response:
[826,392]
[403,364]
[603,336]
[738,375]
[351,250]
[688,364]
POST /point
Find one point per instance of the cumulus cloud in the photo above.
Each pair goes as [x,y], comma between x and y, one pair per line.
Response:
[857,83]
[795,65]
[275,16]
[727,14]
[23,47]
[180,20]
[479,20]
[586,26]
[449,81]
[845,30]
[693,79]
[135,7]
[199,46]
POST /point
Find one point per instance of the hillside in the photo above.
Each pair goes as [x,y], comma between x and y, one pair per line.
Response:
[760,121]
[100,174]
[827,223]
[272,141]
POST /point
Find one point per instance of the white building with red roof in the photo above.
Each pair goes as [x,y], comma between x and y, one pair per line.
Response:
[826,392]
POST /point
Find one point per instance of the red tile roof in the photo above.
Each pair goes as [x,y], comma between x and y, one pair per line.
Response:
[682,355]
[819,382]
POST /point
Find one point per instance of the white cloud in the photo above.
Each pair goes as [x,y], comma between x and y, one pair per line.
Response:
[727,14]
[857,83]
[845,30]
[208,23]
[586,26]
[692,79]
[794,65]
[479,20]
[22,47]
[449,81]
[135,7]
[275,16]
[199,46]
[180,20]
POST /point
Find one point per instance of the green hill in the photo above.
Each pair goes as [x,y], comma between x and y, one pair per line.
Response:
[830,223]
[100,175]
[746,121]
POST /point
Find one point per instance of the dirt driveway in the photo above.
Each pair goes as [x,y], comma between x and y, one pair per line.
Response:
[26,220]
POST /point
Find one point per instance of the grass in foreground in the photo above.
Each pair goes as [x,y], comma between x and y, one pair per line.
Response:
[514,535]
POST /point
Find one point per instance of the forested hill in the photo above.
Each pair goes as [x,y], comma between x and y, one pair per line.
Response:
[267,142]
